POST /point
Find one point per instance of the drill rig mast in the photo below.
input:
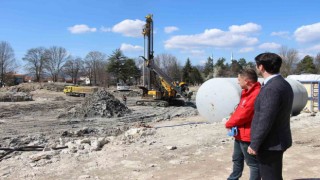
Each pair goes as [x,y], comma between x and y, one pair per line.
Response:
[166,93]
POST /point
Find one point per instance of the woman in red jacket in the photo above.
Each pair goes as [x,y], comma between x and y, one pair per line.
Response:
[241,118]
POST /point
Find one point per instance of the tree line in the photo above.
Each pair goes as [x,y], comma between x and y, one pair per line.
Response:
[57,64]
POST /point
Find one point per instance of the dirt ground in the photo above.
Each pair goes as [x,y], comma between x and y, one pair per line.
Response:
[148,143]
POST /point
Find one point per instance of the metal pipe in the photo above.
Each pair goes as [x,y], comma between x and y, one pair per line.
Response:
[218,97]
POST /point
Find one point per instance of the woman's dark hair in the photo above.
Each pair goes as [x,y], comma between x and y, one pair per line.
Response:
[270,61]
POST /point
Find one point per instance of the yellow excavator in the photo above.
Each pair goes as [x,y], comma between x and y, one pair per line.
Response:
[161,89]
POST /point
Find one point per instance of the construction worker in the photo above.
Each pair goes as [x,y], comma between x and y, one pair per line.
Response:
[189,94]
[124,99]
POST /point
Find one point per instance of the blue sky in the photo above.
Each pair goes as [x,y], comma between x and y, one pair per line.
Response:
[194,29]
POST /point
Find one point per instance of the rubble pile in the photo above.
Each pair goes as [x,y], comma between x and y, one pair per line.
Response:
[57,87]
[28,87]
[15,96]
[99,104]
[134,93]
[23,91]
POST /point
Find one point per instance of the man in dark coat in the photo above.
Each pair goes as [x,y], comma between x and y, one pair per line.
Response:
[270,128]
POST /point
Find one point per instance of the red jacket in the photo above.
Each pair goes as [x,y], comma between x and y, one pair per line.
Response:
[243,114]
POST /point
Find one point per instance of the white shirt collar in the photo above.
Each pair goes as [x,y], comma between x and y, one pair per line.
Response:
[270,77]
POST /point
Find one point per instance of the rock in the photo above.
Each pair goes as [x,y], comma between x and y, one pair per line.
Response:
[171,147]
[42,155]
[84,177]
[46,149]
[97,144]
[61,142]
[83,141]
[132,132]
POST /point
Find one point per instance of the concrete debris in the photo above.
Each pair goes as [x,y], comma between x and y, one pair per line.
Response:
[15,96]
[80,132]
[136,134]
[37,140]
[86,145]
[134,93]
[99,104]
[84,177]
[43,155]
[28,87]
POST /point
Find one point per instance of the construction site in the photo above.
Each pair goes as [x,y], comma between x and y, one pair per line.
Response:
[162,129]
[55,136]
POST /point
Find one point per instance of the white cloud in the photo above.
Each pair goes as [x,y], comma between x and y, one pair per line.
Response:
[311,51]
[105,29]
[246,49]
[130,48]
[282,34]
[315,48]
[308,33]
[245,28]
[217,38]
[268,46]
[170,29]
[81,28]
[130,28]
[197,52]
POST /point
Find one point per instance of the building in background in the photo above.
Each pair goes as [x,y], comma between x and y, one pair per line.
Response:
[311,82]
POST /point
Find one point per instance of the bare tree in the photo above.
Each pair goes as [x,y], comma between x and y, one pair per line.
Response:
[7,61]
[290,58]
[95,63]
[36,59]
[72,68]
[170,65]
[56,56]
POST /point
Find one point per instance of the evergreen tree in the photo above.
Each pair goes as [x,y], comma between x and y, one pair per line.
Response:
[196,77]
[186,71]
[122,67]
[115,61]
[220,68]
[306,65]
[251,65]
[317,63]
[235,68]
[242,62]
[208,67]
[129,70]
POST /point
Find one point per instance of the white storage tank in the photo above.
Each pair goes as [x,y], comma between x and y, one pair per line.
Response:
[218,97]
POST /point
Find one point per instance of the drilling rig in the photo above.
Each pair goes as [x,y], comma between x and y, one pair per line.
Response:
[161,89]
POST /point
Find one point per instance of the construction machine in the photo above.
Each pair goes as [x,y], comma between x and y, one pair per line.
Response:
[81,91]
[161,89]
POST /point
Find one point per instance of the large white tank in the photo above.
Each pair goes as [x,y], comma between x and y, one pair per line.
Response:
[218,97]
[300,96]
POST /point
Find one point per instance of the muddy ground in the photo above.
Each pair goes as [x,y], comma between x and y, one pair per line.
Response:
[147,143]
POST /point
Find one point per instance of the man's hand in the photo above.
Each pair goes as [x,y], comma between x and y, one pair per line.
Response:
[251,151]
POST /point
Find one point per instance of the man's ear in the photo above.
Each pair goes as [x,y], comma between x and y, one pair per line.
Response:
[261,68]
